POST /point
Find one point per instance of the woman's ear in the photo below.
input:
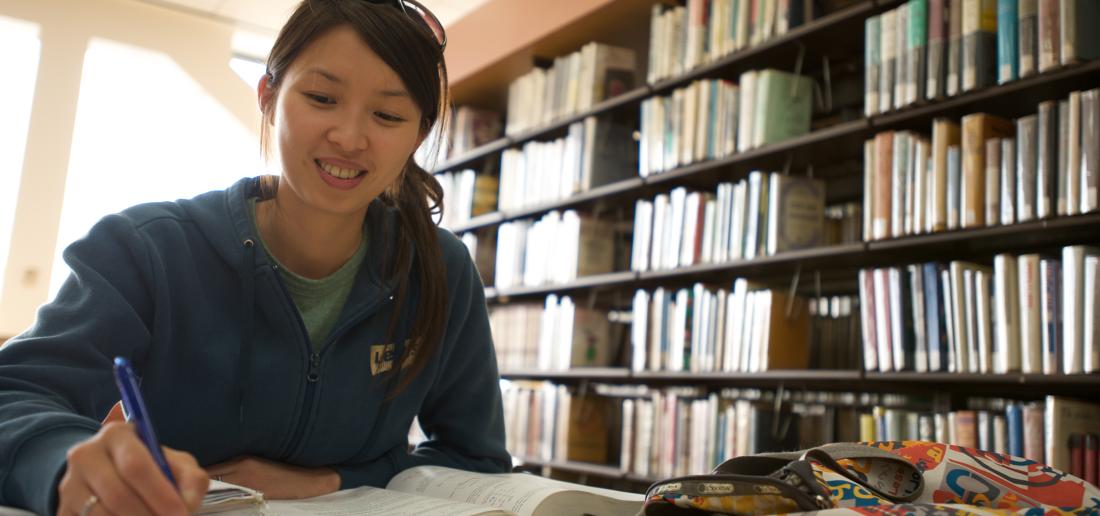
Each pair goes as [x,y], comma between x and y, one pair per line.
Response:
[264,92]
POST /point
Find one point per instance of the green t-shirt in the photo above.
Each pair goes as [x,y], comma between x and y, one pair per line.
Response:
[319,301]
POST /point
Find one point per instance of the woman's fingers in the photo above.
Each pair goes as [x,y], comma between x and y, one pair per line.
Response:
[192,479]
[140,473]
[91,471]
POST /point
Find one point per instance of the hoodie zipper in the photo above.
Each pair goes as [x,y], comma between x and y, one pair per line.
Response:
[312,376]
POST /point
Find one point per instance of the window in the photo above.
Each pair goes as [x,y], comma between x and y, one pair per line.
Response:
[19,60]
[146,130]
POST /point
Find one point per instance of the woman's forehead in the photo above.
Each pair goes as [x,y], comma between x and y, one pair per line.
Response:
[341,56]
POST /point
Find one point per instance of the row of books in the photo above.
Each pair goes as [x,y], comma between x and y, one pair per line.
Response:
[556,335]
[675,431]
[762,215]
[683,37]
[557,248]
[548,422]
[595,152]
[711,119]
[993,171]
[574,83]
[1029,313]
[466,194]
[929,49]
[705,329]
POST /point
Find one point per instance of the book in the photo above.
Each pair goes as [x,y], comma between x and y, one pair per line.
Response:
[979,33]
[977,129]
[1091,314]
[1006,291]
[1046,163]
[1050,35]
[916,60]
[223,497]
[1073,307]
[1028,36]
[889,55]
[438,490]
[945,133]
[1071,171]
[1027,143]
[1051,313]
[1030,285]
[1008,181]
[937,48]
[783,106]
[1090,151]
[1080,41]
[796,213]
[872,34]
[954,48]
[1008,47]
[1064,417]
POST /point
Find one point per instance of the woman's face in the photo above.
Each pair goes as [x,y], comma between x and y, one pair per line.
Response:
[345,125]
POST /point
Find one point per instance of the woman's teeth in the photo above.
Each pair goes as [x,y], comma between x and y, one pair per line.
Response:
[342,173]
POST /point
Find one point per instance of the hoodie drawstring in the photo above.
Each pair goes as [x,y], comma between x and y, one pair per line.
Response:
[248,284]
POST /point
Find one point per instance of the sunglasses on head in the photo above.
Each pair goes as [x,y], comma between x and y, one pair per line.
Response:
[420,14]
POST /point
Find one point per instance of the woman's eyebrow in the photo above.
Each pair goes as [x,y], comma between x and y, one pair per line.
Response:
[399,92]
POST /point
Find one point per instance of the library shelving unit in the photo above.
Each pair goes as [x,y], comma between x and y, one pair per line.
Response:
[832,46]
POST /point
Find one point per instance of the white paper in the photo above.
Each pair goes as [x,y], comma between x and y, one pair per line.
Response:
[366,501]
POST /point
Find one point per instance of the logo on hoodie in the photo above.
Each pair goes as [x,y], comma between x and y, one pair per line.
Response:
[382,356]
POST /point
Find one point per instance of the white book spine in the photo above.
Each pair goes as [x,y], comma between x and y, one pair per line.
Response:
[1073,264]
[1031,361]
[1091,335]
[1006,296]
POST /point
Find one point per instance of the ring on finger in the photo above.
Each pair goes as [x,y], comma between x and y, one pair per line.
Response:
[87,508]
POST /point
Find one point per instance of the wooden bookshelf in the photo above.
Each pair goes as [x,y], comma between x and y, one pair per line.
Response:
[834,148]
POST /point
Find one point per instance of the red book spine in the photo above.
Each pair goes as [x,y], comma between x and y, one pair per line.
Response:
[1077,455]
[1092,458]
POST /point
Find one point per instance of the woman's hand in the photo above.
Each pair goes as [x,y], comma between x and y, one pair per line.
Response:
[276,480]
[117,469]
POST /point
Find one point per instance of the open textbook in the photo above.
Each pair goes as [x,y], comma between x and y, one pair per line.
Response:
[426,490]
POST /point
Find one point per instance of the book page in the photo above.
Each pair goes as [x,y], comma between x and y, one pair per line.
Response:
[516,492]
[367,501]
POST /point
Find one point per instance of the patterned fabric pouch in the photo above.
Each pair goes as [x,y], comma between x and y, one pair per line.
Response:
[961,482]
[772,483]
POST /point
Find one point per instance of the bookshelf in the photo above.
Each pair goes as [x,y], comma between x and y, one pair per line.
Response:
[832,151]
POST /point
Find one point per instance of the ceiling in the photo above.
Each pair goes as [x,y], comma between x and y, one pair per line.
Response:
[269,15]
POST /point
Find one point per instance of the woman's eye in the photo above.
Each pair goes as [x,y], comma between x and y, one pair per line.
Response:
[321,99]
[388,117]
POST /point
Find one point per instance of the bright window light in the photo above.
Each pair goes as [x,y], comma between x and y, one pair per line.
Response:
[157,135]
[19,60]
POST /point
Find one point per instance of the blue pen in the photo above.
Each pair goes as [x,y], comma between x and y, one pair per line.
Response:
[133,407]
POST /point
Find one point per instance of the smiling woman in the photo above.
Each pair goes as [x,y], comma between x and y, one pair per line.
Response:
[311,315]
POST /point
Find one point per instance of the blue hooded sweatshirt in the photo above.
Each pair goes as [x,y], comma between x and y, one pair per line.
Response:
[227,368]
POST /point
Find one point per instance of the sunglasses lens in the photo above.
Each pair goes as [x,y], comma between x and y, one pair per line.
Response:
[429,19]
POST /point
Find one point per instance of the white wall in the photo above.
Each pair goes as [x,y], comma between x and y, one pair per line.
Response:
[200,46]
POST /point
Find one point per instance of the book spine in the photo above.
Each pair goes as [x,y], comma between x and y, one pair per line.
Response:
[954,47]
[1046,173]
[1091,337]
[979,33]
[1028,36]
[1006,292]
[937,48]
[1027,143]
[992,181]
[954,186]
[1008,62]
[1051,314]
[901,54]
[1072,305]
[935,318]
[972,197]
[1034,445]
[1008,181]
[1071,172]
[1049,35]
[918,46]
[1090,151]
[1030,284]
[1014,420]
[872,57]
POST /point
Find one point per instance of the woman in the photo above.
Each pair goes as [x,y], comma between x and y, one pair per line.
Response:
[287,329]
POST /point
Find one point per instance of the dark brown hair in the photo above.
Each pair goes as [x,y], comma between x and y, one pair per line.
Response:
[412,52]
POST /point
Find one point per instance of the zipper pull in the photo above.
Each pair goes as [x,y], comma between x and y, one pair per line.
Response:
[314,368]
